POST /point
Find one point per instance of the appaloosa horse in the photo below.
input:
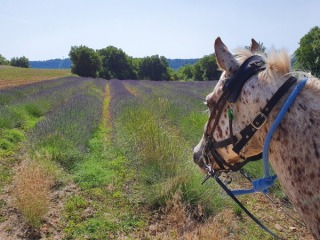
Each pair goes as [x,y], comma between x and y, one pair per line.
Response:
[294,151]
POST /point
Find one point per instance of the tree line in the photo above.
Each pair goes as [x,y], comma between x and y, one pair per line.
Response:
[112,62]
[15,61]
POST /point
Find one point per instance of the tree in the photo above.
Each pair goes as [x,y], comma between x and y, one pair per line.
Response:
[187,72]
[307,56]
[205,69]
[154,68]
[3,60]
[197,72]
[209,67]
[22,62]
[85,61]
[115,64]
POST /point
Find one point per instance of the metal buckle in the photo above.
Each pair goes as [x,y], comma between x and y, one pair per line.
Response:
[256,123]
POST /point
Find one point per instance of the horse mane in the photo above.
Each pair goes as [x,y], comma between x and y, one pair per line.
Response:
[278,65]
[278,62]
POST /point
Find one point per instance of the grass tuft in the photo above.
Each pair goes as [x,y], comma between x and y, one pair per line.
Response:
[162,157]
[32,192]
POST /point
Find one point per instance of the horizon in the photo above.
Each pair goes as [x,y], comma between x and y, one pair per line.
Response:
[176,29]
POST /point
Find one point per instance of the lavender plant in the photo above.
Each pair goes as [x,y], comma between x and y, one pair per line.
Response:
[65,132]
[148,129]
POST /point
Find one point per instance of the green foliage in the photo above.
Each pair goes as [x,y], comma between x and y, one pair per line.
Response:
[154,68]
[159,152]
[22,116]
[209,67]
[20,62]
[308,54]
[10,140]
[104,178]
[204,69]
[3,60]
[85,61]
[94,172]
[187,72]
[115,64]
[61,149]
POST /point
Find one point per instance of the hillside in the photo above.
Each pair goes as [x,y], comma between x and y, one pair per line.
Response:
[178,63]
[52,64]
[66,63]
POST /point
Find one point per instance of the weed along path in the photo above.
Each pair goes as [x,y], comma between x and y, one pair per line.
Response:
[86,158]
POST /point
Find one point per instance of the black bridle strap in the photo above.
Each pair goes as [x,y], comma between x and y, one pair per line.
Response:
[225,142]
[234,198]
[248,68]
[261,117]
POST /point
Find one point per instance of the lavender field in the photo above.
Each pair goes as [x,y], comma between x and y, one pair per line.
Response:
[111,160]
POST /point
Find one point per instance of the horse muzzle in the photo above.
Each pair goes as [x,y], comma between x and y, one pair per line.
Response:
[198,155]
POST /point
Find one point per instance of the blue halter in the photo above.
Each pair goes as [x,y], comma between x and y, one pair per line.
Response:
[262,184]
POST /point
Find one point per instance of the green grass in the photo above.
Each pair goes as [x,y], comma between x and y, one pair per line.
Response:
[15,121]
[162,157]
[103,177]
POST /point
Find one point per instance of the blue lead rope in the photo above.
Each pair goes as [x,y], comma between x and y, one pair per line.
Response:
[262,184]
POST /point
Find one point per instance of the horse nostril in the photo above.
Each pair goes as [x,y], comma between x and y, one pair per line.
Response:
[196,157]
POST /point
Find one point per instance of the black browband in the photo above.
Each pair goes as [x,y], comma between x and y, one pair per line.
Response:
[248,68]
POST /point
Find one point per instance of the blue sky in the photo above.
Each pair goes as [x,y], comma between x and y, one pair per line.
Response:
[46,29]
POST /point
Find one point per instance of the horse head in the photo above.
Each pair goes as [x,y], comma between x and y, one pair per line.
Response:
[241,111]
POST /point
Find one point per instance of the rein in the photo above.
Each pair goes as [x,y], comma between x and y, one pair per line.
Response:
[235,199]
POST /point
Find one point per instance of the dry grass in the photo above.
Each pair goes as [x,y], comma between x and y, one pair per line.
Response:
[32,192]
[178,221]
[14,76]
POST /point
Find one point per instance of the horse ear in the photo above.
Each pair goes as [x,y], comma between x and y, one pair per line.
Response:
[254,47]
[225,59]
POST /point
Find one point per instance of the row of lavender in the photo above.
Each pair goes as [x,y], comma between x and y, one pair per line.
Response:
[156,124]
[71,109]
[19,104]
[185,103]
[66,130]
